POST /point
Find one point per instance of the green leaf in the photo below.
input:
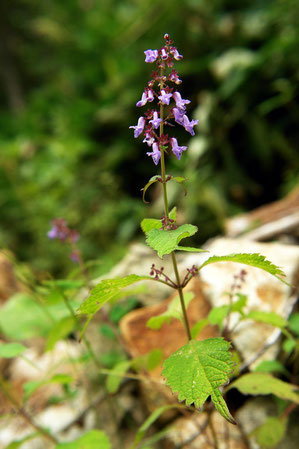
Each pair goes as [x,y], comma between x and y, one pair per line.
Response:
[151,181]
[269,434]
[164,242]
[262,383]
[218,314]
[148,224]
[190,249]
[94,439]
[181,181]
[172,214]
[106,290]
[10,350]
[150,420]
[198,327]
[271,318]
[271,366]
[64,284]
[115,376]
[254,260]
[174,310]
[197,370]
[59,331]
[239,305]
[31,386]
[148,361]
[294,323]
[288,345]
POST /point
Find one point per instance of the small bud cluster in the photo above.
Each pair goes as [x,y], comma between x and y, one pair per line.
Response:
[191,272]
[239,279]
[160,274]
[159,88]
[168,224]
[62,232]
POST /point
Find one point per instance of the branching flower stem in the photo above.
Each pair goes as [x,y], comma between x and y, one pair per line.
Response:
[166,210]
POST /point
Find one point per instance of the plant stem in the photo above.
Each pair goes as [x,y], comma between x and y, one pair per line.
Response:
[166,210]
[21,411]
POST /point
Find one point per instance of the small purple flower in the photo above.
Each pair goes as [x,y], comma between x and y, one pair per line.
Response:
[148,139]
[164,53]
[139,127]
[189,125]
[175,54]
[164,97]
[146,96]
[178,115]
[176,149]
[53,233]
[75,256]
[174,77]
[155,121]
[156,154]
[180,103]
[151,55]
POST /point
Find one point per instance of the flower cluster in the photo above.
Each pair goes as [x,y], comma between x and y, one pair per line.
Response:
[159,88]
[62,232]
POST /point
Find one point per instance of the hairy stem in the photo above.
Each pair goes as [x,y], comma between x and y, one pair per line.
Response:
[166,210]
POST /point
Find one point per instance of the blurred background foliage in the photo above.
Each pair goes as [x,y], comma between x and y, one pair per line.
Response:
[71,73]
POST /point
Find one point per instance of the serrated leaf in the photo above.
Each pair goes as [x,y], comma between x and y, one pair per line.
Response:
[174,310]
[115,376]
[253,259]
[94,439]
[151,181]
[271,318]
[197,370]
[148,224]
[164,242]
[269,434]
[10,350]
[181,181]
[262,383]
[106,290]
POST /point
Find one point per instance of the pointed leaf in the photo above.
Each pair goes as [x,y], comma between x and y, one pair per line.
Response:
[105,291]
[164,242]
[115,376]
[151,181]
[197,370]
[172,214]
[181,181]
[148,224]
[10,350]
[174,310]
[190,249]
[262,383]
[271,318]
[254,260]
[94,439]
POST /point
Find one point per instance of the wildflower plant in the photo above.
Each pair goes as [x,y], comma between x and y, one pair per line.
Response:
[199,369]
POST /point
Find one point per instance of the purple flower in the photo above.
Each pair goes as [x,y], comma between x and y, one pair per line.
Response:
[176,149]
[156,154]
[75,256]
[175,54]
[151,55]
[174,77]
[146,96]
[164,97]
[164,53]
[178,115]
[148,139]
[189,125]
[53,233]
[155,121]
[180,103]
[139,127]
